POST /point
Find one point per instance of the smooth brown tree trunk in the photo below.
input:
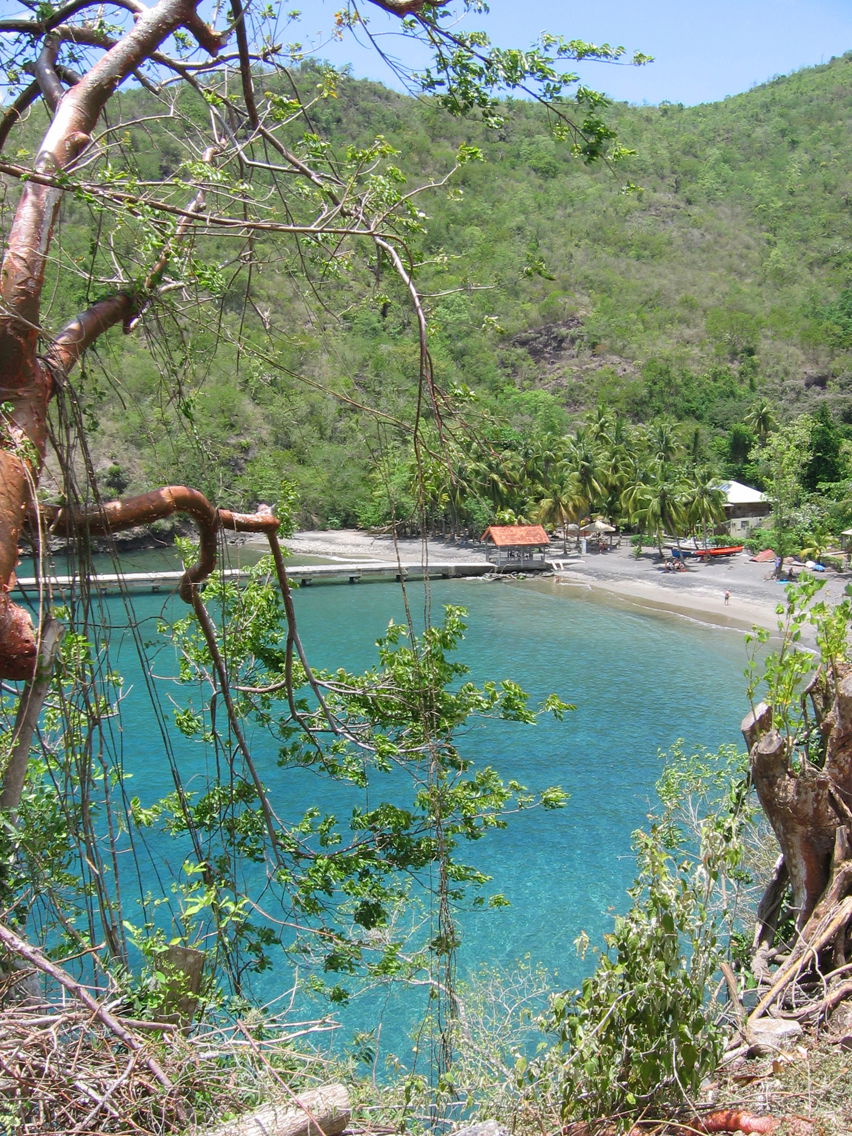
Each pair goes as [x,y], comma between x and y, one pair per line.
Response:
[27,378]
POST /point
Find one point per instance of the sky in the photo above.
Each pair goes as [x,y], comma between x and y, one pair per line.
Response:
[704,50]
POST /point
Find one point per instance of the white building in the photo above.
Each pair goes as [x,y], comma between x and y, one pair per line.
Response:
[745,508]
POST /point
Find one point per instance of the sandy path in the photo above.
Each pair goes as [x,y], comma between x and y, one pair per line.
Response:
[698,592]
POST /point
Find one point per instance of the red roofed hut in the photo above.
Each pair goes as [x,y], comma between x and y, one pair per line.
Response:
[516,548]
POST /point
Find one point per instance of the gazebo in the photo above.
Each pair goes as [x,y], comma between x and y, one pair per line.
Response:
[516,548]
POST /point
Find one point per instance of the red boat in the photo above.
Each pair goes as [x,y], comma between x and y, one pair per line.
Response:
[729,551]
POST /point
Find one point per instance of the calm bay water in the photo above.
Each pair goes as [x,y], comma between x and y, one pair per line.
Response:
[639,682]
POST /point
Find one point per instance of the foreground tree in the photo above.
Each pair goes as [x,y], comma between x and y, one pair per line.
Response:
[800,746]
[261,174]
[179,240]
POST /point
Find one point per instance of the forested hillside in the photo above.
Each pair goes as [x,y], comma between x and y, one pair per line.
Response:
[705,275]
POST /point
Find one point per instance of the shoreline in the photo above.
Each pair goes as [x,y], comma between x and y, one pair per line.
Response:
[739,615]
[697,594]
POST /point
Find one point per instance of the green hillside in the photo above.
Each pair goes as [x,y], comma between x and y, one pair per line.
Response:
[719,282]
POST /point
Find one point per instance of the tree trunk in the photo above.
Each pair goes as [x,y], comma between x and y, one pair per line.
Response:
[809,807]
[26,379]
[799,807]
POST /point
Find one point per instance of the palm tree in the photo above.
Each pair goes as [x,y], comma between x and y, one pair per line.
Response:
[430,480]
[663,440]
[564,503]
[661,505]
[705,503]
[583,463]
[633,491]
[599,423]
[541,455]
[617,459]
[499,476]
[761,418]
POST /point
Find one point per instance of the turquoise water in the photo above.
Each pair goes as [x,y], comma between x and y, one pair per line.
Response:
[639,681]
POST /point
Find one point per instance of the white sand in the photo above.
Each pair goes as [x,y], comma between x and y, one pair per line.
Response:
[698,593]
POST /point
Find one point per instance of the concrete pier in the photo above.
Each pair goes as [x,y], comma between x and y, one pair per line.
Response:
[303,575]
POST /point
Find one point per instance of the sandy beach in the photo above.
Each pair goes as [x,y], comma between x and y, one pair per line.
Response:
[697,593]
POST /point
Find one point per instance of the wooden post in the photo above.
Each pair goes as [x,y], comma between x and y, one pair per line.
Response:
[183,969]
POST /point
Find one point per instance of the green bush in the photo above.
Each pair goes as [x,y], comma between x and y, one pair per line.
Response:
[641,1032]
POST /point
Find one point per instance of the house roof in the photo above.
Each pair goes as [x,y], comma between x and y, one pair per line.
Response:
[516,536]
[738,494]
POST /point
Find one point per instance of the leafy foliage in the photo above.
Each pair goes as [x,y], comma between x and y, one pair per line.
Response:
[334,879]
[640,1033]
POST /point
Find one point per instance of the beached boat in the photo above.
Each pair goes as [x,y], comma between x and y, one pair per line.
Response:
[680,553]
[729,550]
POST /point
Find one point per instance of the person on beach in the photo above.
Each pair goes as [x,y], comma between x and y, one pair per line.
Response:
[727,598]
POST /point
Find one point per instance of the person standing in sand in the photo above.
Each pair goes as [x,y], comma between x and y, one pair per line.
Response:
[727,598]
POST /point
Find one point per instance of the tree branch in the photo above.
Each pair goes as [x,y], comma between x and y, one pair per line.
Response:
[115,516]
[15,110]
[41,27]
[239,20]
[85,328]
[20,947]
[26,719]
[45,72]
[408,7]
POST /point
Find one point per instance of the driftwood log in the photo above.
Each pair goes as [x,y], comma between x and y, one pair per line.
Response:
[318,1112]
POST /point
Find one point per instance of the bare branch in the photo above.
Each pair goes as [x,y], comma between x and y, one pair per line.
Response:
[41,27]
[20,947]
[116,516]
[15,110]
[134,201]
[29,709]
[238,15]
[408,7]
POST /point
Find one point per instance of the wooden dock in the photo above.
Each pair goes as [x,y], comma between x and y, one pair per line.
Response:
[303,575]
